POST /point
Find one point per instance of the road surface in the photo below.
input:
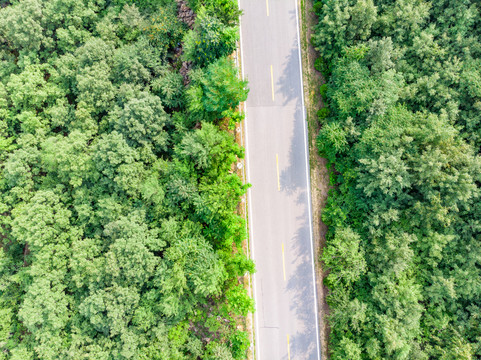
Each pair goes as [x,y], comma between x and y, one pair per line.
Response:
[277,167]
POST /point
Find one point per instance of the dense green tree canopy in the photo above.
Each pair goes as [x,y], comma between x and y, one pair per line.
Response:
[402,136]
[119,237]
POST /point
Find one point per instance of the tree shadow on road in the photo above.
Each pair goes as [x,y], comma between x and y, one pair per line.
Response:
[289,83]
[290,89]
[300,285]
[303,345]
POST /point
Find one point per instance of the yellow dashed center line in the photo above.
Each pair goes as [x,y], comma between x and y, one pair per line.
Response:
[267,7]
[288,348]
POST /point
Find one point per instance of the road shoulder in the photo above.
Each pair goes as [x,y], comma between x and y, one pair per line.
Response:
[318,171]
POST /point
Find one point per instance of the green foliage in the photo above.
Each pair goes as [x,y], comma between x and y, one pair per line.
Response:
[209,40]
[347,350]
[165,30]
[321,65]
[332,140]
[209,150]
[225,10]
[141,120]
[204,94]
[239,343]
[345,258]
[238,301]
[119,237]
[143,4]
[170,88]
[402,137]
[323,114]
[323,91]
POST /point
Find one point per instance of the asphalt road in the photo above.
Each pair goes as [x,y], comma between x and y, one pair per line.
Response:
[277,167]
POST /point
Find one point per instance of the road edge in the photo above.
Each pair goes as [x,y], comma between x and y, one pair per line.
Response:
[251,319]
[319,175]
[308,176]
[314,213]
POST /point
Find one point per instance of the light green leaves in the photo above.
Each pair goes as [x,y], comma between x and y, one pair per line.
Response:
[209,40]
[216,91]
[117,204]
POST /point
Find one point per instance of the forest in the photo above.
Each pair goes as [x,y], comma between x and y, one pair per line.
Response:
[401,129]
[119,232]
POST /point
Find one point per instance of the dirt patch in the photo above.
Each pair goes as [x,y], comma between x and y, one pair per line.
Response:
[319,172]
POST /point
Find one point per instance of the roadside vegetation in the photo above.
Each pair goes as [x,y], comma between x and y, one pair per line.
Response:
[119,237]
[401,130]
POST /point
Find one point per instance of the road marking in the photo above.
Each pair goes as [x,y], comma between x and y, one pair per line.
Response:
[272,83]
[308,180]
[288,348]
[256,342]
[267,7]
[283,262]
[278,178]
[251,226]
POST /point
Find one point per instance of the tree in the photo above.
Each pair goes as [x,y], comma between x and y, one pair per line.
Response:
[170,87]
[348,350]
[209,40]
[119,237]
[210,150]
[94,86]
[66,158]
[401,136]
[22,27]
[344,257]
[226,10]
[141,119]
[214,92]
[165,29]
